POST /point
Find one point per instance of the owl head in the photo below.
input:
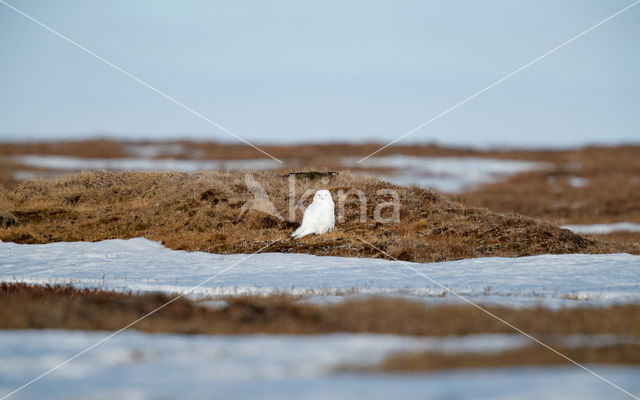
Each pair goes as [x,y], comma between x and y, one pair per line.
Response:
[323,195]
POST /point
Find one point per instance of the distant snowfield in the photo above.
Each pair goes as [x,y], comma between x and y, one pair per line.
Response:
[64,163]
[135,365]
[446,174]
[604,228]
[143,265]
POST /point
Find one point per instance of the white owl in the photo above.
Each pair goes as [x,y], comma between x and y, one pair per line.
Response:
[318,218]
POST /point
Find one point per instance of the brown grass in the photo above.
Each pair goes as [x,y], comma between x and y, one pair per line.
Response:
[203,211]
[611,193]
[106,148]
[60,307]
[528,356]
[304,154]
[632,238]
[98,148]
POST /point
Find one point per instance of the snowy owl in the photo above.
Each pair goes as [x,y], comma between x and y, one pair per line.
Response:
[318,217]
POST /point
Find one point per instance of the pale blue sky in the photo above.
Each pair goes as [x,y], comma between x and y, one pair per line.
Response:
[290,71]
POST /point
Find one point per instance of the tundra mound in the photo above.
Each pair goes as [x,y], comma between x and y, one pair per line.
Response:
[226,212]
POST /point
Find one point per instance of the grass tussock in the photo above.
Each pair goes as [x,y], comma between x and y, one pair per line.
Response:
[62,307]
[204,212]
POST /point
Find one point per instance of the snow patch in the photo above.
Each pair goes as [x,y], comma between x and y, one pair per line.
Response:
[214,304]
[578,182]
[447,174]
[142,265]
[604,228]
[155,150]
[135,365]
[141,164]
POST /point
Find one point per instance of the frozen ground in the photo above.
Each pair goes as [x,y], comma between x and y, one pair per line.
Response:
[140,264]
[604,228]
[135,365]
[447,174]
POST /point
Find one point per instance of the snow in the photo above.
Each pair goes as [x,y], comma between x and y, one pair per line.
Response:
[135,365]
[214,304]
[143,265]
[144,164]
[604,228]
[447,174]
[155,150]
[578,182]
[25,175]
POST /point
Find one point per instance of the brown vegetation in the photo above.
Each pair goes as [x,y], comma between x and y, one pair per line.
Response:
[97,148]
[631,238]
[303,154]
[64,307]
[105,148]
[609,191]
[526,356]
[204,211]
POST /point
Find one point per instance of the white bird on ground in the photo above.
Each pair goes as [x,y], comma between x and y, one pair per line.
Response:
[318,218]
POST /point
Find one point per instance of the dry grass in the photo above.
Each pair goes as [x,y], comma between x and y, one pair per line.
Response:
[611,174]
[611,192]
[632,238]
[64,307]
[203,211]
[105,148]
[59,307]
[326,155]
[98,148]
[628,354]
